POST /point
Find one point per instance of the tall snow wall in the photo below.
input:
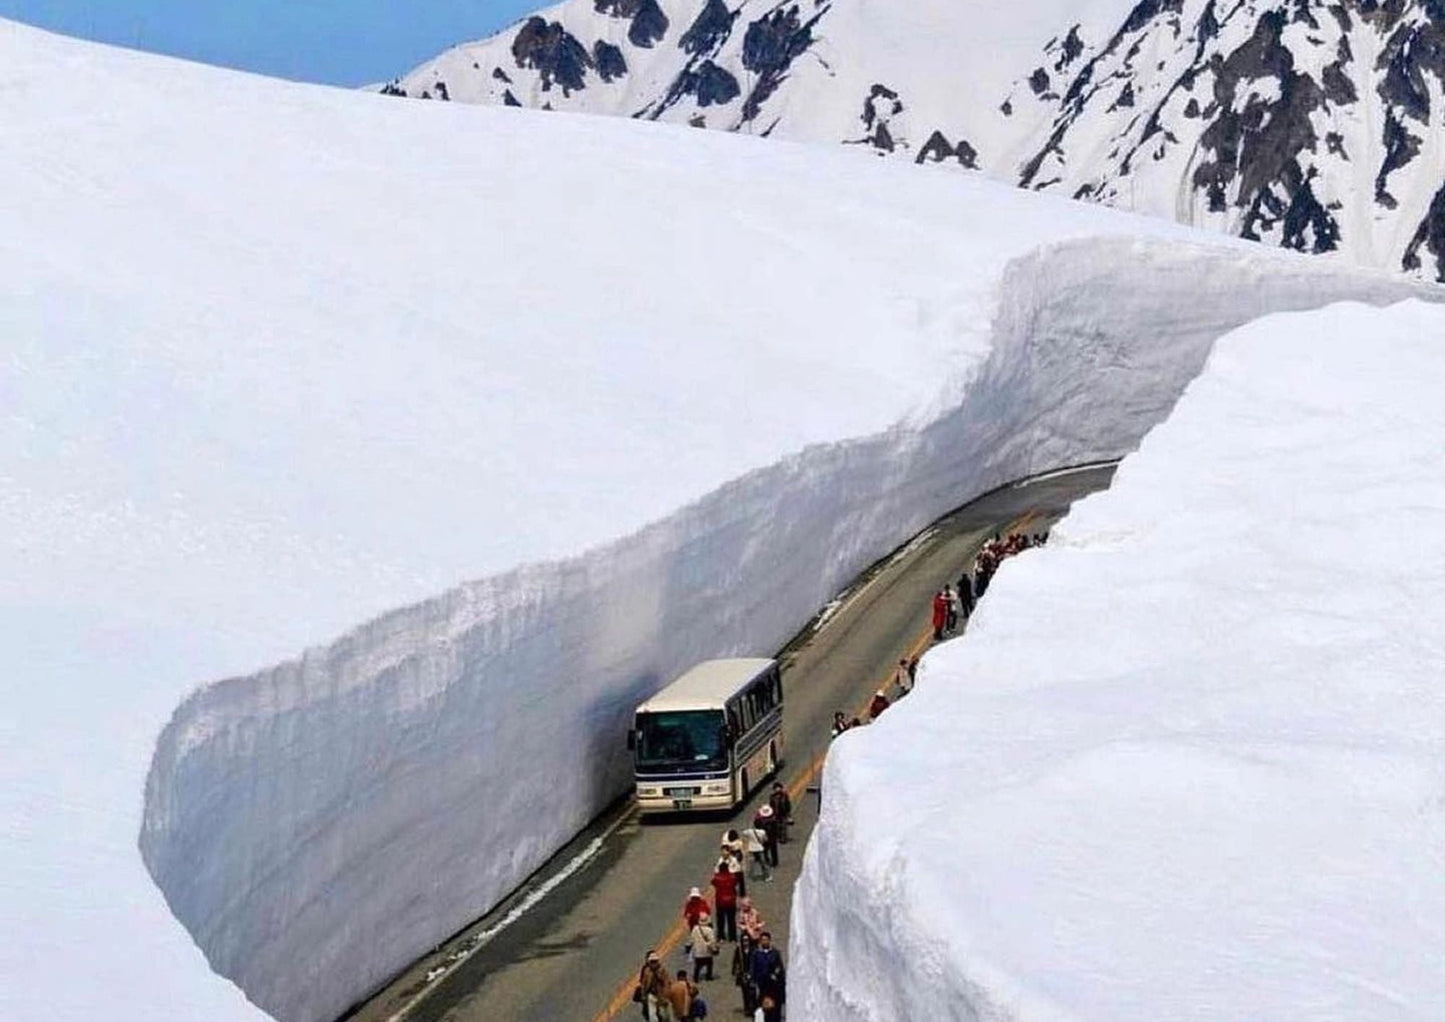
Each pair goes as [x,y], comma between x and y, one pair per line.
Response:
[351,808]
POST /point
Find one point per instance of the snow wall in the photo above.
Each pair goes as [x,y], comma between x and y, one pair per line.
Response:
[1211,787]
[351,808]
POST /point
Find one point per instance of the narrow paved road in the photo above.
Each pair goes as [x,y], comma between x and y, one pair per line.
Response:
[569,958]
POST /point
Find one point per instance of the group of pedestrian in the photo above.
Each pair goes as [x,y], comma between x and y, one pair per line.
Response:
[997,550]
[757,966]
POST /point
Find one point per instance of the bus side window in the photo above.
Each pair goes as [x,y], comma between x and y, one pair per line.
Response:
[777,687]
[733,725]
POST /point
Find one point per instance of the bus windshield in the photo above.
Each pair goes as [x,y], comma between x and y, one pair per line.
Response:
[680,741]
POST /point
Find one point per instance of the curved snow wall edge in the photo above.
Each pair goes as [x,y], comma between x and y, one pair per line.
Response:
[352,808]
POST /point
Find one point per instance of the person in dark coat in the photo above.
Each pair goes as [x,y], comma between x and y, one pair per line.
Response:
[766,824]
[782,805]
[769,977]
[965,595]
[743,974]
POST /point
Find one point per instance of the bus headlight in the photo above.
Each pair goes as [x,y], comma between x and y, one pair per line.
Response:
[715,789]
[648,792]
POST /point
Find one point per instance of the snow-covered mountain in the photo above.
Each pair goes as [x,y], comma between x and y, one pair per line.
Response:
[1313,124]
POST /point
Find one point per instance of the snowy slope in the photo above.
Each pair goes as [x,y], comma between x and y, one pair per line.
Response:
[1212,786]
[587,400]
[1313,125]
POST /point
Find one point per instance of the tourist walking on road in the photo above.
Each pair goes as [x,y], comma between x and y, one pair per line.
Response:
[743,974]
[940,615]
[735,852]
[755,843]
[840,723]
[782,804]
[766,824]
[878,705]
[651,990]
[770,978]
[679,997]
[902,680]
[750,920]
[965,595]
[704,948]
[725,899]
[951,614]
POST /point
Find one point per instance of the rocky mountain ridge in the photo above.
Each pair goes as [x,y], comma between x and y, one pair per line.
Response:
[1310,124]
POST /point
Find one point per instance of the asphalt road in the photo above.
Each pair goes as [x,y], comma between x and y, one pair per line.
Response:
[572,955]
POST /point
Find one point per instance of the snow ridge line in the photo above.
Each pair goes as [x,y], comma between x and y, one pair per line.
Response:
[359,804]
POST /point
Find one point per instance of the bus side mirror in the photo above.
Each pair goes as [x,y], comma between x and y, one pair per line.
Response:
[631,739]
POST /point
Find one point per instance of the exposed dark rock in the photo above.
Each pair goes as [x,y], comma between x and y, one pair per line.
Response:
[938,149]
[1307,225]
[716,85]
[501,75]
[1006,108]
[697,121]
[1430,236]
[1335,144]
[510,100]
[1412,51]
[1073,46]
[1400,148]
[711,28]
[870,105]
[393,88]
[1147,10]
[609,61]
[1191,109]
[1039,81]
[770,46]
[1126,97]
[554,52]
[706,82]
[1342,16]
[649,25]
[443,91]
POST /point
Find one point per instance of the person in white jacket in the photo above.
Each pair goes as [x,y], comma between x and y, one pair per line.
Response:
[704,948]
[755,843]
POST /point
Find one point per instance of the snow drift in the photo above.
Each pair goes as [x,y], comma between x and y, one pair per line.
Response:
[279,360]
[1211,787]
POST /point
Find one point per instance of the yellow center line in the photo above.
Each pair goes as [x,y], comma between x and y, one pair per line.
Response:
[623,996]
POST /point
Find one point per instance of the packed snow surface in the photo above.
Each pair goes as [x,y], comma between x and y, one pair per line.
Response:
[1189,761]
[587,400]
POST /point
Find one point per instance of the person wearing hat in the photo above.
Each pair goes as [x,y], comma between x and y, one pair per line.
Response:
[766,824]
[651,992]
[692,909]
[704,947]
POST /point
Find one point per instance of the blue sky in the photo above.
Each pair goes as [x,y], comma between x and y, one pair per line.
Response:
[343,42]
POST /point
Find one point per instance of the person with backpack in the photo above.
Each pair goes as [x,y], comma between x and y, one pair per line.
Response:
[704,948]
[725,899]
[692,909]
[651,990]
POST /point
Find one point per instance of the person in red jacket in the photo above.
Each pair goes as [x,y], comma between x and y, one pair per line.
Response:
[940,615]
[878,705]
[696,905]
[725,898]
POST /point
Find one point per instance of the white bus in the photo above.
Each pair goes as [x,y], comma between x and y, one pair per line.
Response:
[710,737]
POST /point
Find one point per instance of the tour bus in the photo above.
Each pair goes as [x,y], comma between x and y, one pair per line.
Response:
[710,737]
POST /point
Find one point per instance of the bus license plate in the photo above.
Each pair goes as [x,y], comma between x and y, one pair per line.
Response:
[682,803]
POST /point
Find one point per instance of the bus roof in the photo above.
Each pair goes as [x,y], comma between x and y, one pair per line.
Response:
[709,684]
